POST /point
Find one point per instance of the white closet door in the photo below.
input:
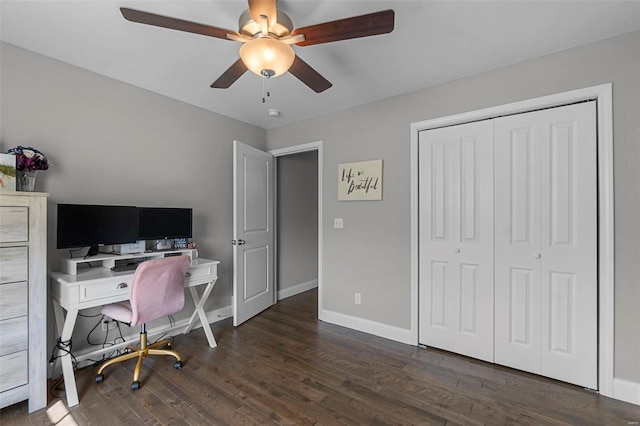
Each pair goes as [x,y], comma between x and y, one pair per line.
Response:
[546,239]
[456,239]
[517,243]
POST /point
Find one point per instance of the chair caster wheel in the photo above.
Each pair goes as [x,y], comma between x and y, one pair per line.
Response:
[99,378]
[135,385]
[177,365]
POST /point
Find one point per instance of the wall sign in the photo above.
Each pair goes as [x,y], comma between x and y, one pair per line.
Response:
[360,181]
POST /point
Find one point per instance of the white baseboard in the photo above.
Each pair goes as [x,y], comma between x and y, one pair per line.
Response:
[402,335]
[296,289]
[217,315]
[626,390]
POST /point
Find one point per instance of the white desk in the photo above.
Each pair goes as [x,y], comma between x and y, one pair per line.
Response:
[100,286]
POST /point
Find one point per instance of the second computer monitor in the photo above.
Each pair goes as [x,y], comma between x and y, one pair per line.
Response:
[158,223]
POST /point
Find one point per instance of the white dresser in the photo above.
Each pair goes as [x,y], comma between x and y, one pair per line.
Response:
[23,298]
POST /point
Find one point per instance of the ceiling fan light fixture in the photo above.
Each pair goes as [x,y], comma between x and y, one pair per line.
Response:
[267,34]
[267,54]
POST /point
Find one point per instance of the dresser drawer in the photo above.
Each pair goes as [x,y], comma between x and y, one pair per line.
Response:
[14,224]
[14,335]
[14,264]
[13,300]
[13,370]
[101,290]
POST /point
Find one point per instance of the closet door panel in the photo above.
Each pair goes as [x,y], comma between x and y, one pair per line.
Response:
[569,244]
[456,239]
[517,244]
[437,218]
[473,248]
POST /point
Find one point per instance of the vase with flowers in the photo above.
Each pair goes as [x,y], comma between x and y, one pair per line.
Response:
[29,161]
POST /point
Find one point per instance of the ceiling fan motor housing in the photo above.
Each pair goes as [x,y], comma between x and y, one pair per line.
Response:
[248,27]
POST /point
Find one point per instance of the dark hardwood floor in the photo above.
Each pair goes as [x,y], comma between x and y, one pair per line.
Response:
[286,367]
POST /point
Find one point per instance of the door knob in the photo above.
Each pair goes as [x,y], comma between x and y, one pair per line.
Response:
[537,255]
[241,242]
[457,250]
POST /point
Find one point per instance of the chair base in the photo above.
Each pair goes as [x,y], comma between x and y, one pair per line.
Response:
[141,353]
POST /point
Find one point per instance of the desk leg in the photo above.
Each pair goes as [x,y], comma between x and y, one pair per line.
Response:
[199,311]
[59,321]
[65,331]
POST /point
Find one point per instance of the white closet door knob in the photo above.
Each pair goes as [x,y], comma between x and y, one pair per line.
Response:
[457,250]
[538,255]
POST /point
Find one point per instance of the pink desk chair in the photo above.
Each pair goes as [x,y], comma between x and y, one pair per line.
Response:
[157,291]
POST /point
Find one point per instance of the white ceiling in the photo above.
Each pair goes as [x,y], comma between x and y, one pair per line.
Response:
[433,42]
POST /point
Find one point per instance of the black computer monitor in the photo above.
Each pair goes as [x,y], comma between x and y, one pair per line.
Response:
[85,225]
[158,223]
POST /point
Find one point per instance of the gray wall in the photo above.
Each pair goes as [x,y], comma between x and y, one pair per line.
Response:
[112,143]
[371,254]
[297,206]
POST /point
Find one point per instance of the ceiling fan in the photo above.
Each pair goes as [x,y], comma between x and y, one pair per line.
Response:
[267,33]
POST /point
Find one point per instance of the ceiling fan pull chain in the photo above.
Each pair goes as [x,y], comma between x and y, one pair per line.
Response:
[268,92]
[265,86]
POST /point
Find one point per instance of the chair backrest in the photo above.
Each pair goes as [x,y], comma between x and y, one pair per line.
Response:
[158,288]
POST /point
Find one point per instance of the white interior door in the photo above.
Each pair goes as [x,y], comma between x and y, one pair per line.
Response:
[546,243]
[456,239]
[253,232]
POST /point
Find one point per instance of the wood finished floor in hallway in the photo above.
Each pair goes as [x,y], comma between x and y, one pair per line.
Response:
[286,367]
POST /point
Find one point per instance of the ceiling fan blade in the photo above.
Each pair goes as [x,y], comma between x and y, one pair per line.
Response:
[264,7]
[344,29]
[230,76]
[303,72]
[174,23]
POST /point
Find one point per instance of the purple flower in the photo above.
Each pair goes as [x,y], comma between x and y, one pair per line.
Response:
[28,158]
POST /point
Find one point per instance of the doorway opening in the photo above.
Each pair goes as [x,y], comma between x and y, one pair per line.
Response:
[298,229]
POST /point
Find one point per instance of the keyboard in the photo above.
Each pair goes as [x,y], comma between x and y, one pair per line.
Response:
[123,267]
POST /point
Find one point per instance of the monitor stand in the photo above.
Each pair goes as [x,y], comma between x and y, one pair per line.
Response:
[93,251]
[163,244]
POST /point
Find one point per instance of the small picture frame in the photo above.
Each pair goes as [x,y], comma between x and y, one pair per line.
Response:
[7,172]
[180,243]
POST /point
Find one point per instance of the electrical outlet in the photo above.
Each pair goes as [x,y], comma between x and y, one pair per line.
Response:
[338,223]
[108,325]
[358,299]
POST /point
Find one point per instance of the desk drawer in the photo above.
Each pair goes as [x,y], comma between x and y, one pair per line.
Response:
[14,224]
[101,290]
[14,370]
[197,272]
[14,335]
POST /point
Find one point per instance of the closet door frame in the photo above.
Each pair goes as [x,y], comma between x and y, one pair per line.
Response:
[602,94]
